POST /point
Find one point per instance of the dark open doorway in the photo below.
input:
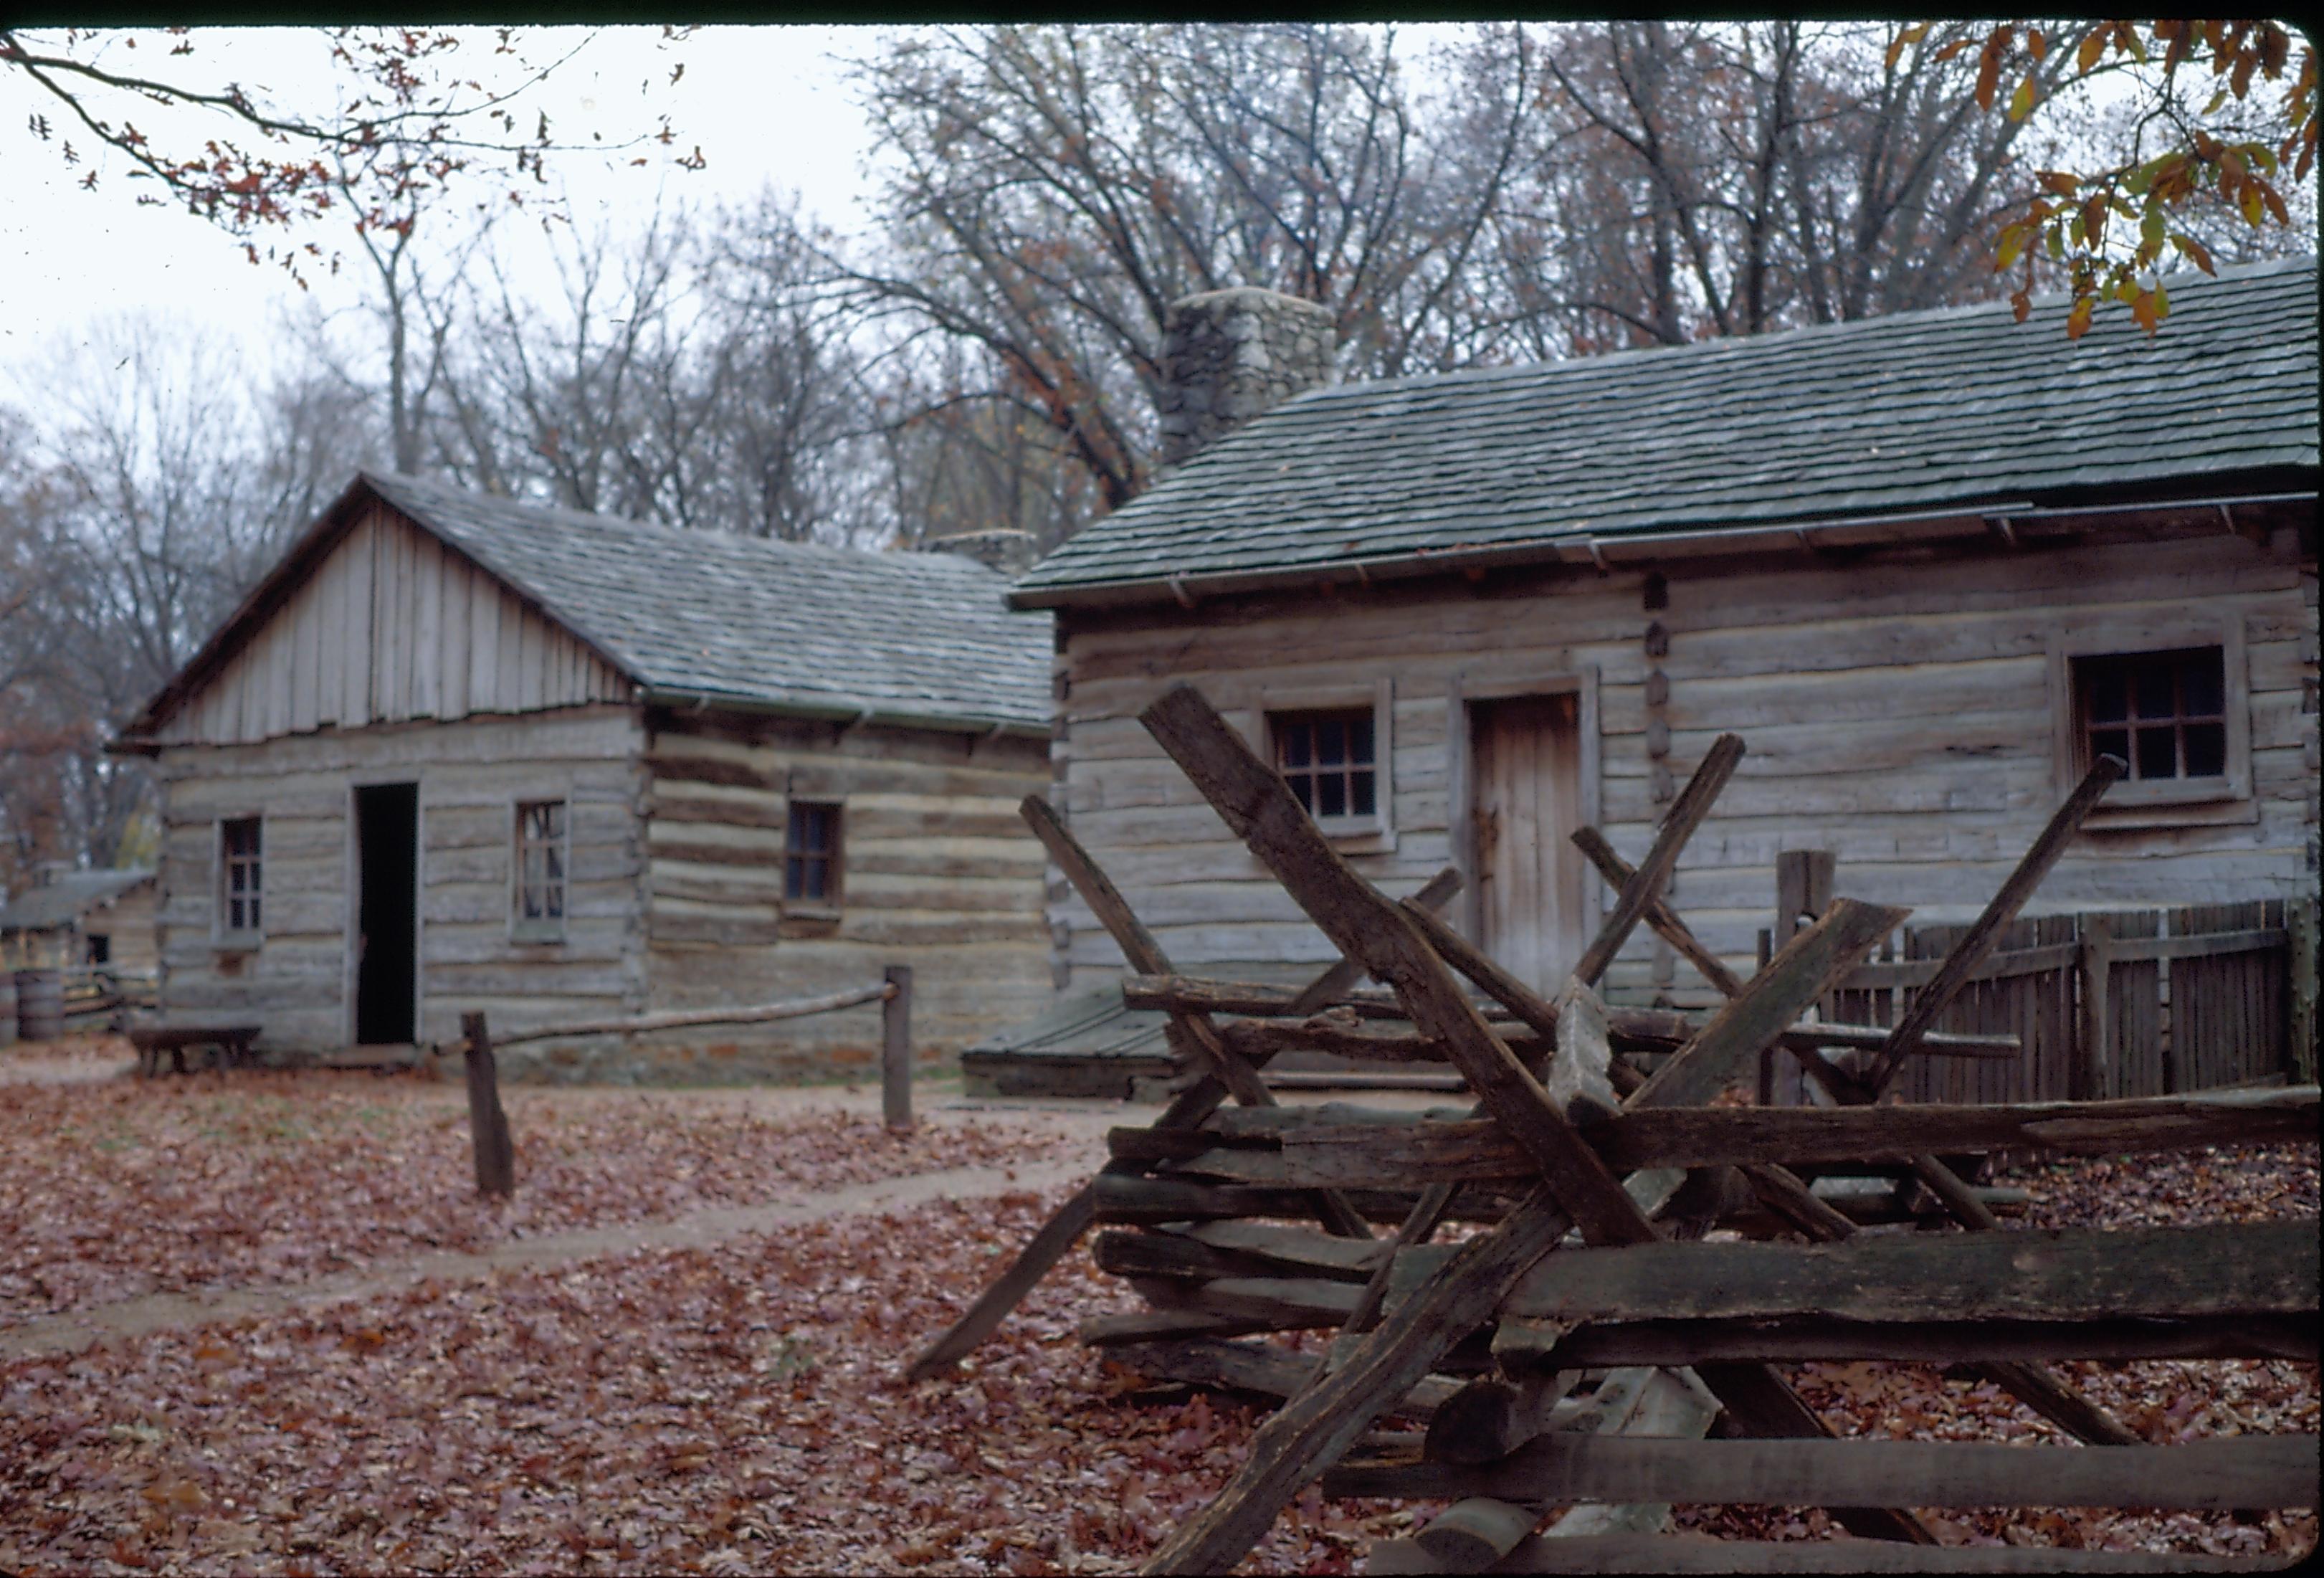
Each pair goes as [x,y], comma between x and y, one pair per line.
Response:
[387,869]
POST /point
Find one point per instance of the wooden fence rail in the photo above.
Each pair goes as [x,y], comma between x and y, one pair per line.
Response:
[488,1125]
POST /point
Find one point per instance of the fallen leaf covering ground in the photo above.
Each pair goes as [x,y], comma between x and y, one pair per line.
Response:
[739,1410]
[112,1189]
[728,1411]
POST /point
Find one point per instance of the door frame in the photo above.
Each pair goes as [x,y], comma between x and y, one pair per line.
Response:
[1555,676]
[351,977]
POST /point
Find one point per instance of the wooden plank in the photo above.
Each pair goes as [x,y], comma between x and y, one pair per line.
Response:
[2212,945]
[330,594]
[1653,1028]
[2002,965]
[755,1014]
[1377,1155]
[2018,1347]
[1281,1304]
[452,670]
[1317,1426]
[1255,1367]
[1579,1084]
[2164,1273]
[1985,932]
[1690,1554]
[427,627]
[1056,1235]
[1492,1417]
[1213,1250]
[1678,825]
[2214,1475]
[1131,1199]
[1194,1035]
[1658,915]
[484,647]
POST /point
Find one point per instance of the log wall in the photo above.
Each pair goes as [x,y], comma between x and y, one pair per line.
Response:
[128,923]
[391,627]
[938,872]
[298,982]
[1898,711]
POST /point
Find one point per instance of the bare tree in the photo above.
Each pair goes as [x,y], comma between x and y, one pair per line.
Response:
[1696,180]
[1058,187]
[146,498]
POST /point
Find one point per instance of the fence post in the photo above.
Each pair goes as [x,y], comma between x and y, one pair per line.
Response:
[896,1048]
[2300,920]
[1803,889]
[488,1126]
[2092,1079]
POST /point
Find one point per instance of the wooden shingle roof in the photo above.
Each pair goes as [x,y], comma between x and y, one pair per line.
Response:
[1911,414]
[67,896]
[909,637]
[913,640]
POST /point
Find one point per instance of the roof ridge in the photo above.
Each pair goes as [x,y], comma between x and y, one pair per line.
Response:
[1770,343]
[910,559]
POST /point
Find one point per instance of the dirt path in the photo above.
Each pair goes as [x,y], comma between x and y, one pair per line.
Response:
[79,1329]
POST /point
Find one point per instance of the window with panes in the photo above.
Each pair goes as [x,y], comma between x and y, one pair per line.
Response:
[540,858]
[1330,759]
[2163,713]
[239,877]
[811,867]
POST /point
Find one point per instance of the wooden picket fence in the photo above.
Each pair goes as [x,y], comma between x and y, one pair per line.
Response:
[2105,1005]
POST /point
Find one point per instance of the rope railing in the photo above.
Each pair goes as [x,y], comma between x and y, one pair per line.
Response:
[687,1019]
[488,1125]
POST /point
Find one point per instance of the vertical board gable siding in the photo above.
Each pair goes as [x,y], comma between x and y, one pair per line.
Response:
[390,627]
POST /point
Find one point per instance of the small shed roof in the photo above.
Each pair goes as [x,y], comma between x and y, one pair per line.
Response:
[913,639]
[1912,414]
[67,896]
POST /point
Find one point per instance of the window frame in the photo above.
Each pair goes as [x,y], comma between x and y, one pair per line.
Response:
[543,929]
[223,935]
[1280,702]
[2172,802]
[833,897]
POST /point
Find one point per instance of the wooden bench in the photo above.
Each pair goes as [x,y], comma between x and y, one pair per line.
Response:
[229,1046]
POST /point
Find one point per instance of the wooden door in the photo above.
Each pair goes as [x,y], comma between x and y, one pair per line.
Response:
[1532,891]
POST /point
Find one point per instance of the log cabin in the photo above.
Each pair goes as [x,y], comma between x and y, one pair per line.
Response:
[70,917]
[1927,565]
[457,753]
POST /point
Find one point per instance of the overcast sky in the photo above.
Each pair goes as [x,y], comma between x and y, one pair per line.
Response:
[766,105]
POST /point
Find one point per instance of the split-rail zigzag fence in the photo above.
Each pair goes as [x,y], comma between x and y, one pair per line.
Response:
[1584,1357]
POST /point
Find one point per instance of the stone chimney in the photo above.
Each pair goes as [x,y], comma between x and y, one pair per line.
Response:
[48,870]
[999,547]
[1228,356]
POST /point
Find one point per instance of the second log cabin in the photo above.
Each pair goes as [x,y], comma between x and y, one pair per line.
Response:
[459,753]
